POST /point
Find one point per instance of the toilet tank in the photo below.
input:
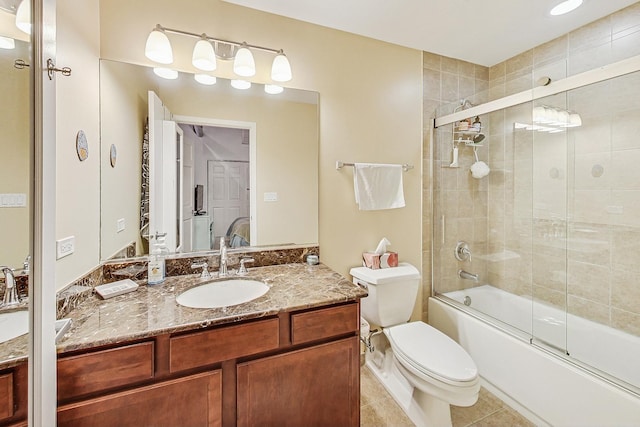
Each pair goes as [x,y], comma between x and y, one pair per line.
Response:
[392,293]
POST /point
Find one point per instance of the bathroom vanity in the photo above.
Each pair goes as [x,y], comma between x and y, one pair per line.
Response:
[290,357]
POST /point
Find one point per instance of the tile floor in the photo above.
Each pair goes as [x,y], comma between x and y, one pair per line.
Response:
[378,409]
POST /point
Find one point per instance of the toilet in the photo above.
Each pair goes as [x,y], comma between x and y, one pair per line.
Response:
[422,368]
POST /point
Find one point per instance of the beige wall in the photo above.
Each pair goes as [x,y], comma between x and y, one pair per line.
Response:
[124,109]
[370,111]
[14,155]
[370,106]
[77,108]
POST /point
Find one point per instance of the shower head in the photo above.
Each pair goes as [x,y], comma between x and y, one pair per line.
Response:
[464,104]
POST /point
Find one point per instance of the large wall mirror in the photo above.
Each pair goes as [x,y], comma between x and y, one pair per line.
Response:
[188,163]
[16,176]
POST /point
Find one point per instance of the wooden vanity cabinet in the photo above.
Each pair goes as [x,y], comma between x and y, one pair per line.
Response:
[298,368]
[14,395]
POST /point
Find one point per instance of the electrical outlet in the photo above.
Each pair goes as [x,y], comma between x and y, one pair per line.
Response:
[120,225]
[65,247]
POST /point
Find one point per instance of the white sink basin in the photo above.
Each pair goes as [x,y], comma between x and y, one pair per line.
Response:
[222,294]
[13,324]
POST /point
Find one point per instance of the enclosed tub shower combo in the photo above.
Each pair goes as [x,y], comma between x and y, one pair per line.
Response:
[536,268]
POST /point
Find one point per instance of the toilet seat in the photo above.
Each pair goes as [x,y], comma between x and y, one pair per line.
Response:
[433,354]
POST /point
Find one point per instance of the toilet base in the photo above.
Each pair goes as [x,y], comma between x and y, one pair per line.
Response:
[423,410]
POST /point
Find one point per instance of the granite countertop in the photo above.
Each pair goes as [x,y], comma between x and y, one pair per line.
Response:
[153,310]
[16,350]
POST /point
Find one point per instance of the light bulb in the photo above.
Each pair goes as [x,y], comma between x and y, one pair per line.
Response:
[7,43]
[281,69]
[273,89]
[205,79]
[240,84]
[244,65]
[23,16]
[158,47]
[204,57]
[165,73]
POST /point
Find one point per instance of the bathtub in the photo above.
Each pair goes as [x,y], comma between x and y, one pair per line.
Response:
[535,379]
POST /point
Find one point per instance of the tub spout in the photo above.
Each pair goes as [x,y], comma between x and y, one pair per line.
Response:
[468,276]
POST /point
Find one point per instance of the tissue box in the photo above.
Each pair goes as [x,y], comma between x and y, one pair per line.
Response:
[371,260]
[389,259]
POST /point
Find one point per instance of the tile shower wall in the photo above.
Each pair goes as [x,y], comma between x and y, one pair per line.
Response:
[448,81]
[568,204]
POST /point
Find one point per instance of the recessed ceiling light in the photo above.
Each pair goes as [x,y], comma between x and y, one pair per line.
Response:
[565,7]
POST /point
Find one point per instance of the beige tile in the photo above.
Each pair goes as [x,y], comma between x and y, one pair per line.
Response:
[625,291]
[486,406]
[431,61]
[626,321]
[504,417]
[588,281]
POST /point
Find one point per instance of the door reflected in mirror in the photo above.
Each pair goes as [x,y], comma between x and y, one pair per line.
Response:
[204,162]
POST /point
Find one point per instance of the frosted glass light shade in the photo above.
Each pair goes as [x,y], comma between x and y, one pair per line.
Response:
[165,73]
[7,43]
[280,69]
[273,89]
[205,79]
[574,120]
[240,84]
[23,16]
[158,47]
[244,65]
[204,57]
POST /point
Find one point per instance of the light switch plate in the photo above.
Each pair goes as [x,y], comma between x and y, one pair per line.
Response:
[120,225]
[271,197]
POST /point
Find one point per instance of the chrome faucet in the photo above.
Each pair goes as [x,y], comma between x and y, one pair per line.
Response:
[468,276]
[10,290]
[222,271]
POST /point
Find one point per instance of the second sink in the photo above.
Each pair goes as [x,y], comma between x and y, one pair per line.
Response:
[222,293]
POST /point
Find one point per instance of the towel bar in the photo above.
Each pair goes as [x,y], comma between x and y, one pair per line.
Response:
[339,165]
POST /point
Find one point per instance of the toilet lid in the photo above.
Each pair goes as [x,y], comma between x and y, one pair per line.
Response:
[431,352]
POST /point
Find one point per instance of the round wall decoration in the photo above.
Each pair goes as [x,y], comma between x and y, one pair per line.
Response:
[82,147]
[113,154]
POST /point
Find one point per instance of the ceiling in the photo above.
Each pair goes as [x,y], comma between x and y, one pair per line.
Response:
[483,32]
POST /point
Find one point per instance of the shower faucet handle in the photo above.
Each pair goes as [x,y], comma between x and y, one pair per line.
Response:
[462,252]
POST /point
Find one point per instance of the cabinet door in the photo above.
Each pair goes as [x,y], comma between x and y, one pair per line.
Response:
[189,401]
[317,386]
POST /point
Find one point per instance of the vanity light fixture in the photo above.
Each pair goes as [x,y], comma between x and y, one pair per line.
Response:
[565,7]
[23,16]
[240,84]
[204,57]
[280,69]
[158,47]
[7,43]
[207,49]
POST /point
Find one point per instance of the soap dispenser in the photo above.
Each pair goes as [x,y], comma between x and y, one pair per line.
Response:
[156,265]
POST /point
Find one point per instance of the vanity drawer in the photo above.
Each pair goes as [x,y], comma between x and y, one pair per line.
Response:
[6,395]
[217,345]
[105,369]
[324,323]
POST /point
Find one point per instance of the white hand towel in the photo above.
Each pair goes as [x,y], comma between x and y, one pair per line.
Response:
[378,186]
